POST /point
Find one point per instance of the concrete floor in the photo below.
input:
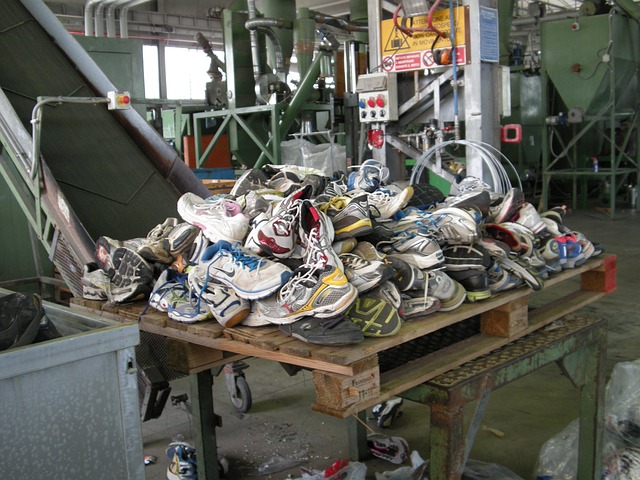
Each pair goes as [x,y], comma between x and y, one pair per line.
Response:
[528,411]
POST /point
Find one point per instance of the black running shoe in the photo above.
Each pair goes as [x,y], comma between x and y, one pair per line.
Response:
[465,257]
[475,282]
[425,196]
[324,331]
[20,317]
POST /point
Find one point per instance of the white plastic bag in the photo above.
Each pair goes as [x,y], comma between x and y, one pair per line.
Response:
[327,157]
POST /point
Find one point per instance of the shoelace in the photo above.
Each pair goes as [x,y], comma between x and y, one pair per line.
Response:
[245,259]
[305,275]
[354,261]
[179,278]
[315,254]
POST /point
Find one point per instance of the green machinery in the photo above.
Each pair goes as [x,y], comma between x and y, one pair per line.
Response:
[591,90]
[260,109]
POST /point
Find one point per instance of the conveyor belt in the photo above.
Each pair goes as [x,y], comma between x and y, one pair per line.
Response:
[116,173]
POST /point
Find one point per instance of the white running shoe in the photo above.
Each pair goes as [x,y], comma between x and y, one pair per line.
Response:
[385,203]
[224,303]
[218,220]
[251,276]
[316,235]
[450,293]
[416,249]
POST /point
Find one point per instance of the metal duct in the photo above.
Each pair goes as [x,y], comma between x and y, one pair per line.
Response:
[88,17]
[253,35]
[124,24]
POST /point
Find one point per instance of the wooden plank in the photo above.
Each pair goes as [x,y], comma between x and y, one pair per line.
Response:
[339,392]
[506,320]
[188,358]
[248,350]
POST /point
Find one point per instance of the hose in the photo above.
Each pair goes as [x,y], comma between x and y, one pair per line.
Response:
[491,157]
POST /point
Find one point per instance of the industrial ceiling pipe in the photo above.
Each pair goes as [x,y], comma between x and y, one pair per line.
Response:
[88,17]
[124,24]
[99,17]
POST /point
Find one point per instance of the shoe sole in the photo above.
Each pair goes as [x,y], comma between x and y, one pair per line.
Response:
[376,319]
[129,268]
[477,296]
[457,299]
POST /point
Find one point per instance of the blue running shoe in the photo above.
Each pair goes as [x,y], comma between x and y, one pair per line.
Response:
[182,462]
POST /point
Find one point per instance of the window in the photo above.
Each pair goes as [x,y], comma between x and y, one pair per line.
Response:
[186,73]
[151,71]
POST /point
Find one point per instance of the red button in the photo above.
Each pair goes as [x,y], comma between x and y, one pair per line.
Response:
[371,102]
[380,101]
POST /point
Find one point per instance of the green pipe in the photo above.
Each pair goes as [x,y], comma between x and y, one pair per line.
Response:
[282,9]
[299,98]
[304,31]
[505,15]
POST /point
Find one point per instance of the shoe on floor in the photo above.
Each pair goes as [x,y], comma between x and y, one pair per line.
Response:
[182,462]
[392,449]
[386,412]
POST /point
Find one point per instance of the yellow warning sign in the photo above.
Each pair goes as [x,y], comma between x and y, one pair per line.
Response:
[403,53]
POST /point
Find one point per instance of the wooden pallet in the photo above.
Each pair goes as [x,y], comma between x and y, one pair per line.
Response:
[348,379]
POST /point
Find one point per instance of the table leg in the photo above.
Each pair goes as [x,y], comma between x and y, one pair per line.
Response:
[447,442]
[592,414]
[204,425]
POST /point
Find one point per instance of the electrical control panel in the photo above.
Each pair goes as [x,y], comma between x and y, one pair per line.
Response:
[377,97]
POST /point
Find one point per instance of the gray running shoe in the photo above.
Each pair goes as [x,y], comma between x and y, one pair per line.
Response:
[252,179]
[450,293]
[417,249]
[364,274]
[312,290]
[419,306]
[350,216]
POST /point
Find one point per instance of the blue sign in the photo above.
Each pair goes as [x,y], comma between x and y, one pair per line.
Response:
[489,36]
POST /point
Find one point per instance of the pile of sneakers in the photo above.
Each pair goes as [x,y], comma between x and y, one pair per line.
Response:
[333,260]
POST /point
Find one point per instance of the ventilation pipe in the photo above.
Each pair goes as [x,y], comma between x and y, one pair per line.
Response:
[88,17]
[99,17]
[124,24]
[253,35]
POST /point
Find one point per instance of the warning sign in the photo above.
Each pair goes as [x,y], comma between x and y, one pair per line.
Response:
[403,53]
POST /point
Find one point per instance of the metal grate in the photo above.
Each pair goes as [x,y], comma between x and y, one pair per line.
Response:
[419,347]
[68,265]
[153,351]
